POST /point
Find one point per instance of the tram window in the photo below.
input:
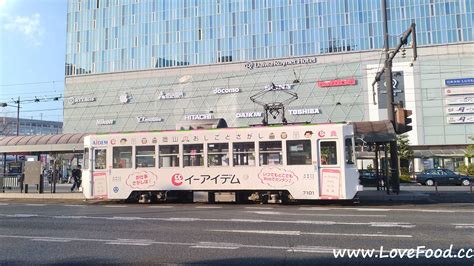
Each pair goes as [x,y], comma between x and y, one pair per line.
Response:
[122,157]
[100,160]
[298,152]
[218,154]
[86,158]
[145,156]
[270,153]
[244,153]
[169,156]
[328,153]
[349,151]
[193,155]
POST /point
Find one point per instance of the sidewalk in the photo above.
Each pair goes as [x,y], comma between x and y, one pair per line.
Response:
[63,191]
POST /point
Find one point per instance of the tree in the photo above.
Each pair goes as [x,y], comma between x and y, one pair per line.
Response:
[405,153]
[470,150]
[404,150]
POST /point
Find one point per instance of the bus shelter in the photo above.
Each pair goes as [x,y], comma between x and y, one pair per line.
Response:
[57,153]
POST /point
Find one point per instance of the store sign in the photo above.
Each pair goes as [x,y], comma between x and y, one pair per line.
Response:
[105,122]
[465,119]
[198,117]
[283,63]
[307,111]
[279,87]
[124,98]
[150,119]
[459,91]
[226,90]
[398,89]
[337,82]
[74,100]
[248,114]
[460,110]
[170,95]
[459,82]
[460,100]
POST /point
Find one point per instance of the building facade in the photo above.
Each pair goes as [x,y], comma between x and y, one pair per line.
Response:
[146,65]
[29,127]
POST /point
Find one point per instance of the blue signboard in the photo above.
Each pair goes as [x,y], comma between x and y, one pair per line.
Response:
[459,82]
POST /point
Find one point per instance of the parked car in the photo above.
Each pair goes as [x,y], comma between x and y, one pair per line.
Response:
[368,178]
[442,177]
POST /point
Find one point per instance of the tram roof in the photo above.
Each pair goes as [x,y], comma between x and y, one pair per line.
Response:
[369,131]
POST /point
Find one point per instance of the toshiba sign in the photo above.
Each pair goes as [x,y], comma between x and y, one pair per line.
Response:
[337,82]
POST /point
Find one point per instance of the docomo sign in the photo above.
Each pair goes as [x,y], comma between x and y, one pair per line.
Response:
[337,82]
[226,90]
[74,100]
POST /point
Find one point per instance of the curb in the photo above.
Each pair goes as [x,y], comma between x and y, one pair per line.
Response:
[41,196]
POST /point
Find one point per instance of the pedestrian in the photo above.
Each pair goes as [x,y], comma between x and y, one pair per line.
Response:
[76,175]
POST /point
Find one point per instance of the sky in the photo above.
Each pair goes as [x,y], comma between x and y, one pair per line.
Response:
[32,57]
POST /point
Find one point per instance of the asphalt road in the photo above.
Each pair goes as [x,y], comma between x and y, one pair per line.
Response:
[85,233]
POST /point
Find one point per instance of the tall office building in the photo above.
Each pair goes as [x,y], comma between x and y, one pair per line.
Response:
[135,65]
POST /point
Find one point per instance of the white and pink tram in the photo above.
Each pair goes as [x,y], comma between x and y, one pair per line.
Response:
[270,164]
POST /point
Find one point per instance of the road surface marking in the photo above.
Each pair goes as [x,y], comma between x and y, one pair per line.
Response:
[74,205]
[161,207]
[311,249]
[192,219]
[128,244]
[3,204]
[298,233]
[315,214]
[385,210]
[115,206]
[214,247]
[463,226]
[35,204]
[315,209]
[51,240]
[208,207]
[19,215]
[260,208]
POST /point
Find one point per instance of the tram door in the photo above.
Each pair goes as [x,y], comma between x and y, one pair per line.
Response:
[330,174]
[98,178]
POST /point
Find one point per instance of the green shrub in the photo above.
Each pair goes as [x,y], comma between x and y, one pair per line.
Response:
[405,178]
[466,169]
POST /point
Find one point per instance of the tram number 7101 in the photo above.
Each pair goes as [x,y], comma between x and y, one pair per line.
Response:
[308,192]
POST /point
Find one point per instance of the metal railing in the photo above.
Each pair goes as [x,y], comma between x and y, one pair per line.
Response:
[10,182]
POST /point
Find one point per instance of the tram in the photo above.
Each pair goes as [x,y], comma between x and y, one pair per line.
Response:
[271,164]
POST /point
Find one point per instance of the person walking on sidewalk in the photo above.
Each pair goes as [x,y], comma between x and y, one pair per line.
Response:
[76,175]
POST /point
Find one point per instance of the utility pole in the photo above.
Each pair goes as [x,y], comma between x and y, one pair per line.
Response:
[18,116]
[387,71]
[395,180]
